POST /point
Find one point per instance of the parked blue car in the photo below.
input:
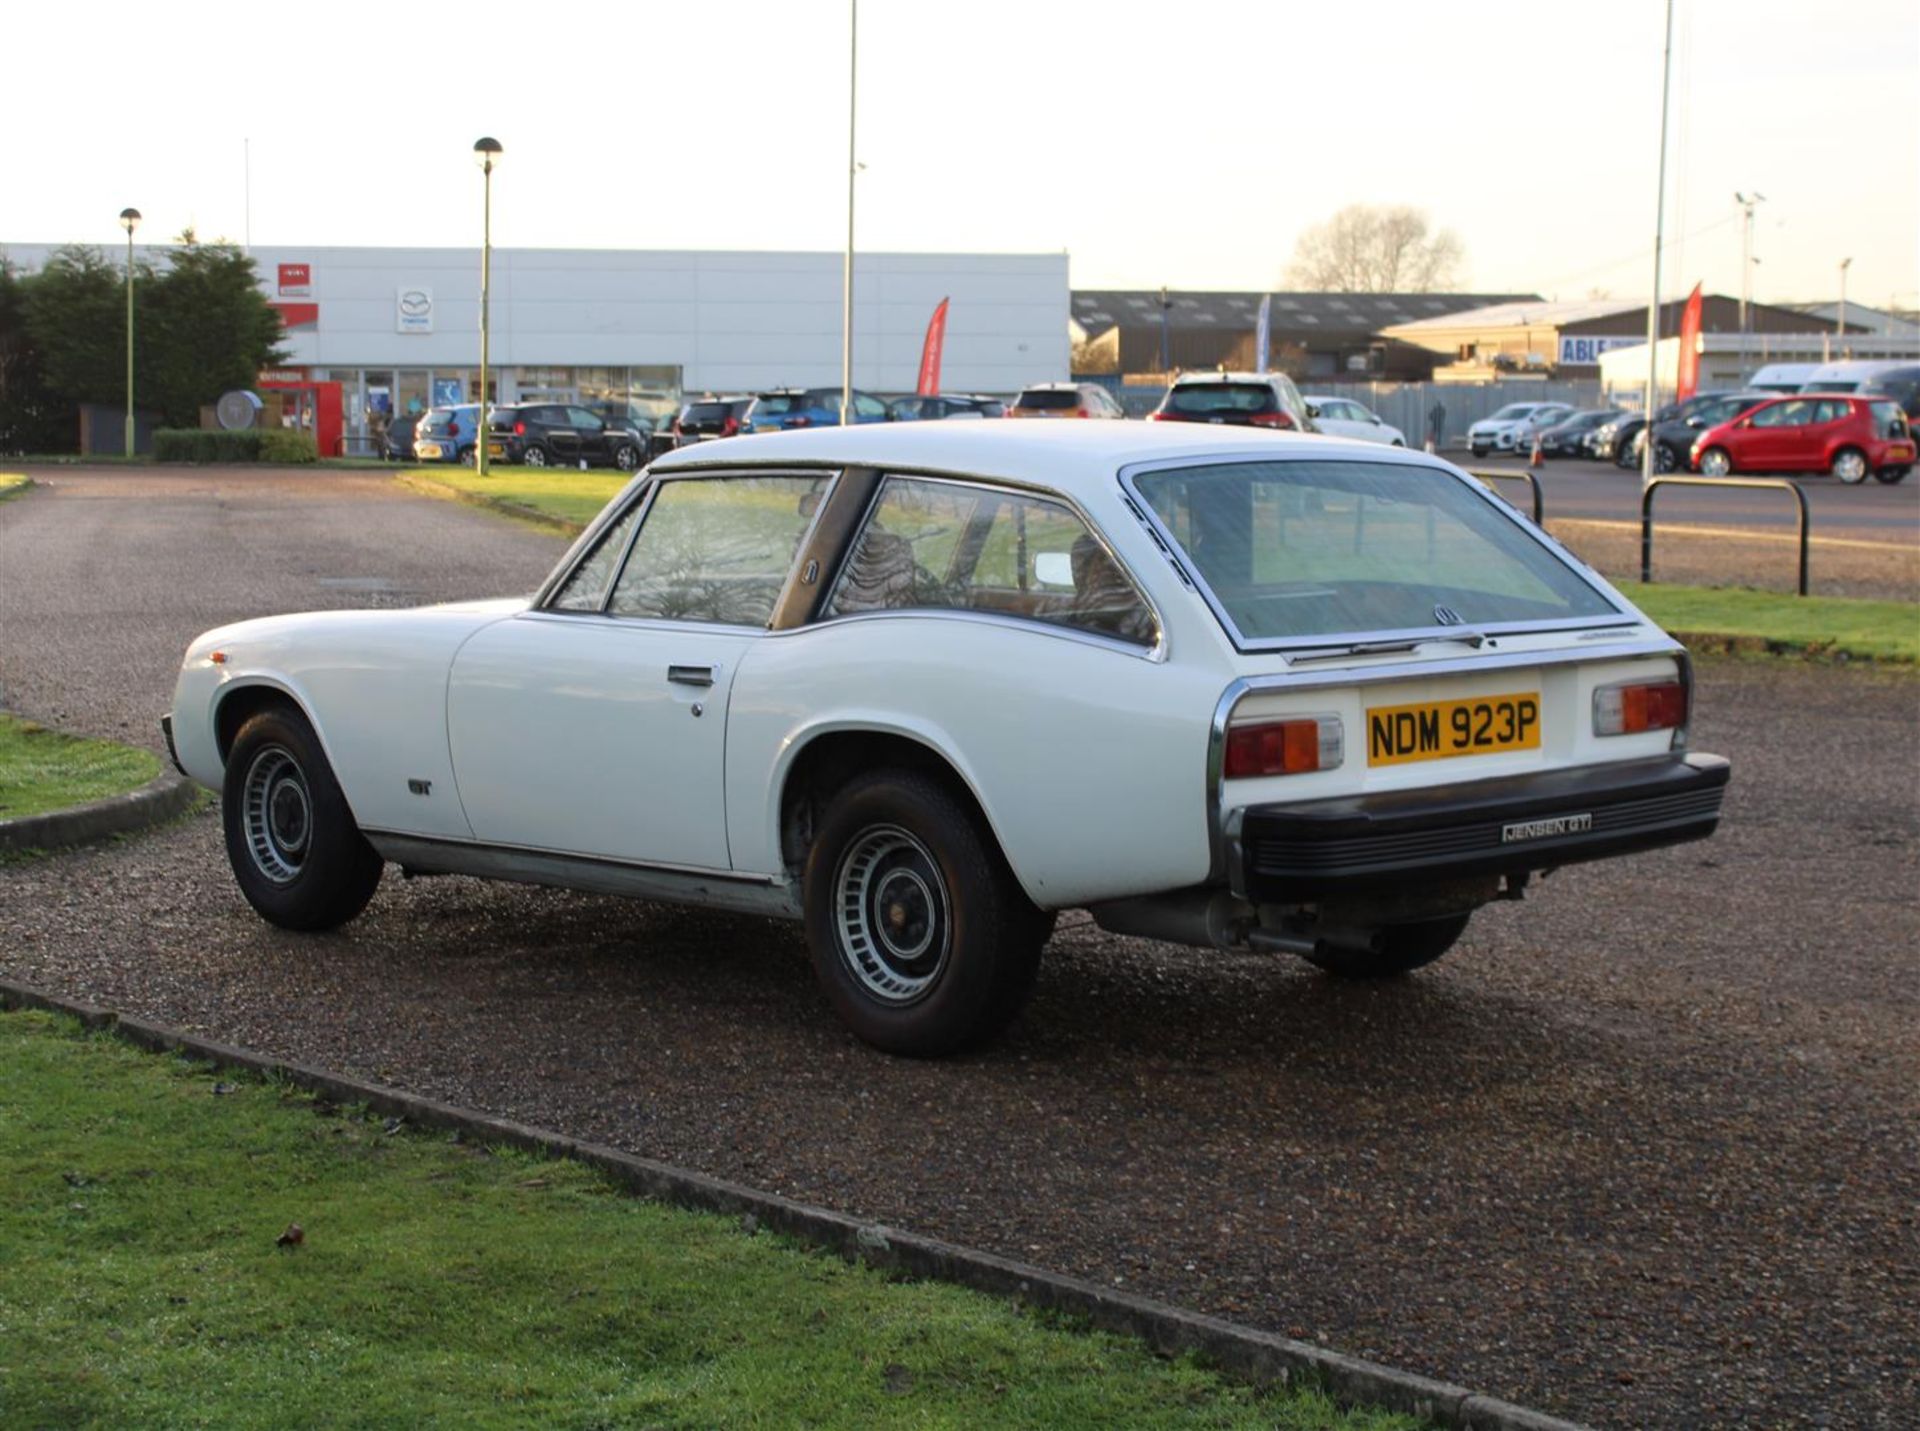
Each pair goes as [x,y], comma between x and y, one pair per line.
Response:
[447,434]
[784,408]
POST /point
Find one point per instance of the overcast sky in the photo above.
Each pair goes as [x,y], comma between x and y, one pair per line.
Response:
[1185,144]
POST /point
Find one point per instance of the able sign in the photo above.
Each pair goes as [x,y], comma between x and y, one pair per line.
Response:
[1585,352]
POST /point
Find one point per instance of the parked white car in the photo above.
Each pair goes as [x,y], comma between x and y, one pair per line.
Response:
[1343,417]
[1503,431]
[923,685]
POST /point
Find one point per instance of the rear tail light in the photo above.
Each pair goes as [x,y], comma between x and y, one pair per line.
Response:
[1284,747]
[1273,419]
[801,421]
[730,426]
[1081,412]
[1635,706]
[520,429]
[676,426]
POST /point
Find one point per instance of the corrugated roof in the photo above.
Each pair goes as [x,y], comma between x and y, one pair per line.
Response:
[1098,309]
[1535,311]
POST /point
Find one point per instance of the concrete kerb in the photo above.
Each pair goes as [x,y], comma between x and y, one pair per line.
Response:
[517,510]
[1243,1352]
[160,799]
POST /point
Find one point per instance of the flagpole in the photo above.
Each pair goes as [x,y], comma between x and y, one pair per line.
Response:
[846,267]
[1659,232]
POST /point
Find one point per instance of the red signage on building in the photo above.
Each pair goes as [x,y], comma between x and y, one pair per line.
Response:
[296,280]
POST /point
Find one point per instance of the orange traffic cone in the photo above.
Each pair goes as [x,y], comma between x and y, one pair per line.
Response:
[1539,458]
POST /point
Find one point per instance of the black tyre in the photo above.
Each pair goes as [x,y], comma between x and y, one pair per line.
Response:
[1399,949]
[1665,459]
[1849,465]
[920,935]
[1716,462]
[1478,451]
[299,857]
[626,457]
[1624,457]
[535,456]
[1890,475]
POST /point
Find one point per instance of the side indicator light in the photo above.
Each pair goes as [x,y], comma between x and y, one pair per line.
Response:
[219,658]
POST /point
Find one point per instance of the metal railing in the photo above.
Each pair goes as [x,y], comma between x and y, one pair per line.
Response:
[1654,485]
[1488,476]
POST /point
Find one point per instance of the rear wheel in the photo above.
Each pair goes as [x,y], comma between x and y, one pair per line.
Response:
[1850,465]
[626,458]
[1890,475]
[1716,462]
[300,859]
[535,455]
[1398,949]
[920,935]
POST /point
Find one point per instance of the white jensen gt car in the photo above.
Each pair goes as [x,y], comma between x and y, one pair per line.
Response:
[922,686]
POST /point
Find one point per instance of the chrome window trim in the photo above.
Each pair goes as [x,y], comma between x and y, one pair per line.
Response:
[1191,574]
[583,544]
[1223,866]
[1026,624]
[1156,651]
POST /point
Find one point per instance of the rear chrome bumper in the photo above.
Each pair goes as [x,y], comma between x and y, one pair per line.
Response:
[1512,826]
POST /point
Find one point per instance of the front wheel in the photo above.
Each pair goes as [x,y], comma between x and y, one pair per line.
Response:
[300,859]
[1890,475]
[921,937]
[1397,949]
[1665,459]
[1850,465]
[1716,462]
[1624,457]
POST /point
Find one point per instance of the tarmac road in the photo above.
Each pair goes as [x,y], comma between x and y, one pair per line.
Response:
[1644,1150]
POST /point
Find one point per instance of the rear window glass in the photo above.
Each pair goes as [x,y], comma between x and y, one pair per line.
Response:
[1048,399]
[1201,398]
[1292,550]
[776,403]
[1888,418]
[706,412]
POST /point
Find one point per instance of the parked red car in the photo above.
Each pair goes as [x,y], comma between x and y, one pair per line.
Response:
[1811,432]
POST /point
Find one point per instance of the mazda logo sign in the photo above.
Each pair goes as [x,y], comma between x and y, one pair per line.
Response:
[414,302]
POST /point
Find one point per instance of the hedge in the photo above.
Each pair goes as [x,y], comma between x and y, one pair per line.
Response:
[268,444]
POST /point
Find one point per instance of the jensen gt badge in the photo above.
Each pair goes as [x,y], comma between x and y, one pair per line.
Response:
[1545,829]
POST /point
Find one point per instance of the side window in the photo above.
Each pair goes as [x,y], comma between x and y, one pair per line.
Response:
[1773,415]
[717,549]
[956,547]
[586,588]
[583,420]
[864,406]
[1832,410]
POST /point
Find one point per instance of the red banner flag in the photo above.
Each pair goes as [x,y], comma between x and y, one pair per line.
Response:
[1689,369]
[929,383]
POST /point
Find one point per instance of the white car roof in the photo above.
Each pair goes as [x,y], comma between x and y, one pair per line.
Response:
[1076,457]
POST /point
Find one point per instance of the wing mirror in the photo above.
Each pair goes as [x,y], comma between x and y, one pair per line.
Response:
[1053,569]
[1696,422]
[1313,409]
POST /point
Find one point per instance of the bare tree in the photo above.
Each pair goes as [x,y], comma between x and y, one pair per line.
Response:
[1376,248]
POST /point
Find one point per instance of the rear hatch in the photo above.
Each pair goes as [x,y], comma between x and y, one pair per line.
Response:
[707,419]
[1047,402]
[1396,626]
[1232,404]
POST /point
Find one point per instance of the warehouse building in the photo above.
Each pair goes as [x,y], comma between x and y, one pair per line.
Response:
[373,333]
[1147,333]
[1567,340]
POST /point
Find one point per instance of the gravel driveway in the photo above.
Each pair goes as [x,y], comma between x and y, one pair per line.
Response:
[1643,1151]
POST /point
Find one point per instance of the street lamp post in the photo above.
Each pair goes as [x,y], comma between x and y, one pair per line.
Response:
[1166,346]
[1840,323]
[486,153]
[129,220]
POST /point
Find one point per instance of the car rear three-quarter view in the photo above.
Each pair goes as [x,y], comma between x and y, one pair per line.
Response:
[921,686]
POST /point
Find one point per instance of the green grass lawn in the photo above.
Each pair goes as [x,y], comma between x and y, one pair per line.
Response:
[12,483]
[442,1285]
[1831,625]
[567,495]
[42,770]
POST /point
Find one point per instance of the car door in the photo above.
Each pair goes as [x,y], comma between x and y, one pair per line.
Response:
[589,437]
[1823,434]
[1766,443]
[595,724]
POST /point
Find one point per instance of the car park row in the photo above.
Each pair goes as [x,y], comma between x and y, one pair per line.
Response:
[1848,419]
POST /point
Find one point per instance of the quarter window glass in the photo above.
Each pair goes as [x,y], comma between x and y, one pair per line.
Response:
[864,406]
[717,549]
[955,547]
[1830,412]
[586,589]
[1306,549]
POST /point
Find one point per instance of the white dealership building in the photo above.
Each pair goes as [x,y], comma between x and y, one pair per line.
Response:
[398,328]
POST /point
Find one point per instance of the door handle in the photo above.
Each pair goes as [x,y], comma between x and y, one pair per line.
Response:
[690,675]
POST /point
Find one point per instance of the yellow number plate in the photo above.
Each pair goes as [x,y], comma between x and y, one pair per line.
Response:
[1435,730]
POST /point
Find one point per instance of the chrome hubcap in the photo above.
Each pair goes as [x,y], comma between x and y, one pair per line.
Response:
[891,913]
[277,812]
[1716,464]
[1851,467]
